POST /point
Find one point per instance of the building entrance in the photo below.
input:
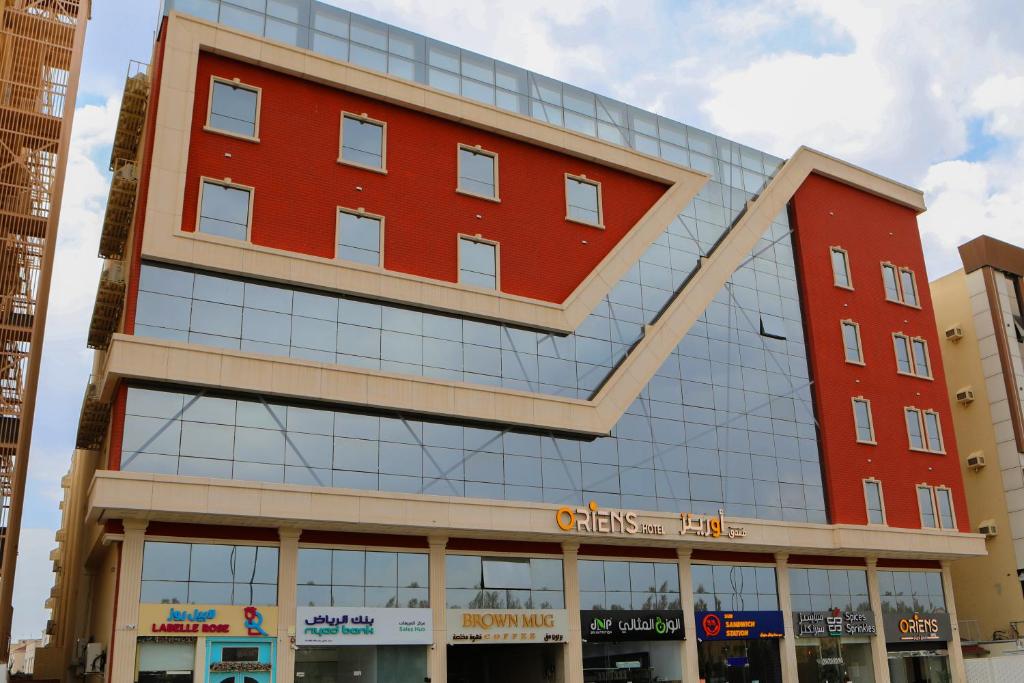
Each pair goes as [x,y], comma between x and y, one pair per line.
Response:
[926,666]
[505,663]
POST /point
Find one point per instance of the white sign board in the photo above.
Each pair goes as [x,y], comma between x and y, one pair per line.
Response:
[363,626]
[488,626]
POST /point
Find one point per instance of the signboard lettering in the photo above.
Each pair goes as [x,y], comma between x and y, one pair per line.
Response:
[193,620]
[739,625]
[592,520]
[834,624]
[917,627]
[470,626]
[363,626]
[631,625]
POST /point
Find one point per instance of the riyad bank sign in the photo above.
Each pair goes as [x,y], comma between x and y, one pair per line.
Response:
[593,520]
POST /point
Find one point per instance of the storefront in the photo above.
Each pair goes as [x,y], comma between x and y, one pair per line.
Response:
[917,647]
[238,643]
[739,647]
[641,646]
[364,645]
[834,646]
[506,646]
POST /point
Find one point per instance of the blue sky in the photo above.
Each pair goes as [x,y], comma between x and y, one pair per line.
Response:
[931,94]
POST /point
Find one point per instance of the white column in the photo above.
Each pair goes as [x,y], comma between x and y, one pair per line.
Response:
[788,643]
[956,654]
[879,656]
[126,620]
[691,661]
[437,656]
[572,664]
[287,583]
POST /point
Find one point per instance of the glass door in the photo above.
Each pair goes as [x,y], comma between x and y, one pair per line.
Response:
[249,660]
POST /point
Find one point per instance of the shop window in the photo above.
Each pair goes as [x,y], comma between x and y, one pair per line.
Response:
[478,262]
[360,237]
[819,590]
[906,592]
[476,582]
[851,342]
[362,578]
[225,209]
[873,500]
[209,573]
[583,201]
[478,172]
[721,587]
[363,142]
[234,108]
[862,421]
[841,268]
[628,585]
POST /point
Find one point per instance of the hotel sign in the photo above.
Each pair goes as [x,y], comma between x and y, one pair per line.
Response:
[487,626]
[206,620]
[917,627]
[363,626]
[592,520]
[739,625]
[834,624]
[600,626]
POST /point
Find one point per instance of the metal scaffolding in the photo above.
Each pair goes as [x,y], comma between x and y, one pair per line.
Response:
[40,54]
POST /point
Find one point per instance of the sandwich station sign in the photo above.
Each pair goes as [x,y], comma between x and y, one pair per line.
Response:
[592,520]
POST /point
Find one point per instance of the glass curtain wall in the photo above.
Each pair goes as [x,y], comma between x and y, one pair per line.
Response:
[209,573]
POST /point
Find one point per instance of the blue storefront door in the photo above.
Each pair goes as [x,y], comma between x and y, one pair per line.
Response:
[243,660]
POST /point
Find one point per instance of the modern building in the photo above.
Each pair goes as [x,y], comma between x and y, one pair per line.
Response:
[40,58]
[413,365]
[978,313]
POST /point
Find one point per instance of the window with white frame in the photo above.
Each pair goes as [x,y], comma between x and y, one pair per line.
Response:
[478,263]
[922,363]
[478,172]
[841,268]
[944,500]
[862,420]
[851,342]
[224,210]
[900,285]
[926,503]
[362,141]
[924,430]
[912,356]
[359,237]
[873,501]
[234,108]
[583,200]
[908,287]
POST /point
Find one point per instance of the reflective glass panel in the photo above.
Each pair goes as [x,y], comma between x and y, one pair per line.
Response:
[476,172]
[362,142]
[359,238]
[224,211]
[840,268]
[233,108]
[927,506]
[583,200]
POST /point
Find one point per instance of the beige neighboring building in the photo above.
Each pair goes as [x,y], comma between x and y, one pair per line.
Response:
[978,311]
[23,656]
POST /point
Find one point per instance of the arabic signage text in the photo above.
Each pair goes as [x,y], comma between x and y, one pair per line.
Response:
[593,520]
[631,625]
[483,626]
[213,620]
[835,623]
[363,626]
[739,625]
[917,627]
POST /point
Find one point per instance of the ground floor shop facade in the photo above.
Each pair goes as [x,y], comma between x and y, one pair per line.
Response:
[214,601]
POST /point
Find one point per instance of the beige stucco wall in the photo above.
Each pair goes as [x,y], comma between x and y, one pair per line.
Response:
[986,588]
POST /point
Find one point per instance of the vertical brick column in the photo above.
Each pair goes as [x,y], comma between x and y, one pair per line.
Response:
[437,656]
[287,583]
[573,650]
[788,644]
[126,620]
[879,656]
[956,655]
[691,662]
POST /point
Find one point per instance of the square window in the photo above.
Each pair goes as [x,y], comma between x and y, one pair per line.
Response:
[362,141]
[478,264]
[234,108]
[359,237]
[478,172]
[224,210]
[583,200]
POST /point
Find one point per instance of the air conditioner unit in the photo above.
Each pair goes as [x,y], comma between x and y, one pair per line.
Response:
[95,658]
[955,333]
[988,528]
[965,395]
[976,460]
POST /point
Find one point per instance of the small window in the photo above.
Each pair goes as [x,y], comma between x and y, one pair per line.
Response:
[478,263]
[892,286]
[933,431]
[873,499]
[362,141]
[773,327]
[912,356]
[908,287]
[478,172]
[224,210]
[583,200]
[234,108]
[862,419]
[851,342]
[914,430]
[922,365]
[903,362]
[944,498]
[927,505]
[841,268]
[359,237]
